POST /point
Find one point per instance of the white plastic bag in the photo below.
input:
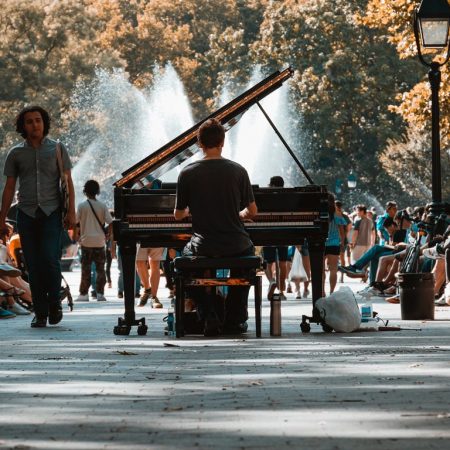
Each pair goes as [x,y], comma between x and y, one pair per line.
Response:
[340,310]
[297,272]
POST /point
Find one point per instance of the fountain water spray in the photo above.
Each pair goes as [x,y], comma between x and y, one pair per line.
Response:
[118,124]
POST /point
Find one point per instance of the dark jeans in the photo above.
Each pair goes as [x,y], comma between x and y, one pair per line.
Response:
[41,244]
[372,257]
[236,304]
[108,265]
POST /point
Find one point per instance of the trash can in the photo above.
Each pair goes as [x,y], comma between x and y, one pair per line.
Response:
[416,296]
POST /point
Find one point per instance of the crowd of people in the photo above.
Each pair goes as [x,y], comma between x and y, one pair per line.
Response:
[360,243]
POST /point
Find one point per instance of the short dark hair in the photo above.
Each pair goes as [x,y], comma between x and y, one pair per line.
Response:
[20,119]
[211,133]
[91,188]
[402,215]
[276,181]
[390,205]
[388,222]
[362,208]
[338,203]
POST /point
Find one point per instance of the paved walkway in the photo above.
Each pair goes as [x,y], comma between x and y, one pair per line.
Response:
[77,386]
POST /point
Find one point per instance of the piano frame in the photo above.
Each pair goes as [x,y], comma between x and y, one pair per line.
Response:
[168,157]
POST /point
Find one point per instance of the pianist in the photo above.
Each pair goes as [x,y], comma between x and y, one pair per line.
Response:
[218,194]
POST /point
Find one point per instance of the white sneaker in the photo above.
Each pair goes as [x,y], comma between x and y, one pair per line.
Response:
[282,296]
[18,310]
[82,298]
[306,293]
[432,253]
[370,291]
[101,297]
[441,301]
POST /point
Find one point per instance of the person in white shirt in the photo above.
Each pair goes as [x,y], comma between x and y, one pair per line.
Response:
[92,215]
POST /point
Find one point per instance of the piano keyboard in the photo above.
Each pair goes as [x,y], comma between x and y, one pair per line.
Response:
[263,220]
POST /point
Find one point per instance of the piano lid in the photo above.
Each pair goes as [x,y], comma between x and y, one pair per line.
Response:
[184,146]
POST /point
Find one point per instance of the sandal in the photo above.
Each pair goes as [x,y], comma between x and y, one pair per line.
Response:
[24,304]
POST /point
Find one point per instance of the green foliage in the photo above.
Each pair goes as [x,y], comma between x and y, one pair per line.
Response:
[408,161]
[351,92]
[46,47]
[346,76]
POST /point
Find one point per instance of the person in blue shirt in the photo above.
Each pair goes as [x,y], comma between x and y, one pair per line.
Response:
[333,247]
[397,242]
[391,210]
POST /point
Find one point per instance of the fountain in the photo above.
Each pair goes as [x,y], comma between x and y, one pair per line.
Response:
[119,124]
[254,144]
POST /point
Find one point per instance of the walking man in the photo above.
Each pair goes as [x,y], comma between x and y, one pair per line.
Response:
[91,217]
[34,164]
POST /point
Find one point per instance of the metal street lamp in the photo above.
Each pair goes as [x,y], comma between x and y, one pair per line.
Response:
[431,30]
[351,180]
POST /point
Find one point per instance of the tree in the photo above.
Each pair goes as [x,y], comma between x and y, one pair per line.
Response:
[346,77]
[395,16]
[190,34]
[46,48]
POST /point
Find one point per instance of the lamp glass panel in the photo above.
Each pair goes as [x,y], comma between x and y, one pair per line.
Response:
[351,181]
[434,32]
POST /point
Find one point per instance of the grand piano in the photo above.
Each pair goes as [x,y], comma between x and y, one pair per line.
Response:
[286,216]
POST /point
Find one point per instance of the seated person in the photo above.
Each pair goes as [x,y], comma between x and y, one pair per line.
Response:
[218,194]
[397,230]
[440,251]
[16,292]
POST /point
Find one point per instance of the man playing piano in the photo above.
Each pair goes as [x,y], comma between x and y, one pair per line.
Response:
[218,194]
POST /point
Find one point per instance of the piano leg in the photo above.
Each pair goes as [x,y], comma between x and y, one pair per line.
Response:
[316,254]
[128,256]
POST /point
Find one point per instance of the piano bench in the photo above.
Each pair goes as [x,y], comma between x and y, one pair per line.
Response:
[195,271]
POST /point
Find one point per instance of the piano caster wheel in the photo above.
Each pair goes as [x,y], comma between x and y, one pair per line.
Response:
[121,330]
[326,328]
[305,327]
[142,330]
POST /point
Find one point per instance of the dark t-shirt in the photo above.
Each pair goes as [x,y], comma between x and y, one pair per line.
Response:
[399,236]
[215,190]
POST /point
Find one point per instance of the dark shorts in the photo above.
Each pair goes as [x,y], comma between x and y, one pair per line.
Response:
[333,250]
[272,254]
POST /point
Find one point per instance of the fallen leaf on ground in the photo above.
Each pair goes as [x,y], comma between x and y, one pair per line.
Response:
[173,408]
[125,353]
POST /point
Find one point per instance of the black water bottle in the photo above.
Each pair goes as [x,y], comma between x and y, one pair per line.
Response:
[275,315]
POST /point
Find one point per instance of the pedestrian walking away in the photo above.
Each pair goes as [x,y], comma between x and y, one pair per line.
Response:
[92,215]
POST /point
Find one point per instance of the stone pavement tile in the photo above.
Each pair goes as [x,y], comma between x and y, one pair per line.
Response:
[77,386]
